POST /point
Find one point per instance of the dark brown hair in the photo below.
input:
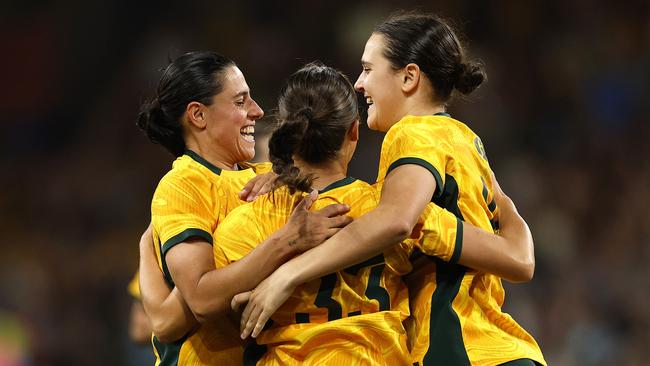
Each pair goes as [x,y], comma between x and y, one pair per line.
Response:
[430,42]
[194,76]
[316,108]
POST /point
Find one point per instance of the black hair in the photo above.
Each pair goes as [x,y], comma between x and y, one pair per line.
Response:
[192,77]
[431,43]
[316,108]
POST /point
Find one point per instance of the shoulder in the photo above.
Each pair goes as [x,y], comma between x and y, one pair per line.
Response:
[185,176]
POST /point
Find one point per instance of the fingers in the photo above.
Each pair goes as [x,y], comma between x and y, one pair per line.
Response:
[261,322]
[239,299]
[244,193]
[262,185]
[249,322]
[339,221]
[334,210]
[310,199]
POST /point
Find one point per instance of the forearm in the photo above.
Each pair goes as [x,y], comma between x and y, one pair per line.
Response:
[509,255]
[364,238]
[169,315]
[217,288]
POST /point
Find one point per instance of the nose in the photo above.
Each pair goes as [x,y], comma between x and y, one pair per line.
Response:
[358,85]
[255,112]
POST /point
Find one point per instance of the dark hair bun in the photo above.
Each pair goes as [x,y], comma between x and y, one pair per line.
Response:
[159,129]
[471,75]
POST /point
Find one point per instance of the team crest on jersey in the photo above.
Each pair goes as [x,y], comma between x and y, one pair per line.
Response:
[479,147]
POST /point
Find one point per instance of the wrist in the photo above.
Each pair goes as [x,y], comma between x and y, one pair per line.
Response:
[281,241]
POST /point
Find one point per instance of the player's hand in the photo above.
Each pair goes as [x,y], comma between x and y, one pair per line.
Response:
[258,186]
[306,229]
[263,302]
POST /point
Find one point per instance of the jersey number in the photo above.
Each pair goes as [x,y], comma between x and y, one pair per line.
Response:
[374,290]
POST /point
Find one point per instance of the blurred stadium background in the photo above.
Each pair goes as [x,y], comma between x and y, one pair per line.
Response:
[564,118]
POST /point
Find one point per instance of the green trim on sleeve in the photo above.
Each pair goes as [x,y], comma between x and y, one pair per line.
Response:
[423,163]
[177,239]
[458,248]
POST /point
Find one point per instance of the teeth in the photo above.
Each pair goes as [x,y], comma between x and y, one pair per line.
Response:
[248,130]
[369,100]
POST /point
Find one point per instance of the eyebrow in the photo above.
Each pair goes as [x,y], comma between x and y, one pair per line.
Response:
[365,63]
[242,93]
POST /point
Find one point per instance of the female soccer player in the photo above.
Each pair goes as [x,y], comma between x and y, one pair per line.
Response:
[204,115]
[411,65]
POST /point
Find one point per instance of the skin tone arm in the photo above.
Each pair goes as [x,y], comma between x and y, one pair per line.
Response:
[208,291]
[407,190]
[139,327]
[158,300]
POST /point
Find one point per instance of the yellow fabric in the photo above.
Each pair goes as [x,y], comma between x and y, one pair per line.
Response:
[372,338]
[190,201]
[481,334]
[134,286]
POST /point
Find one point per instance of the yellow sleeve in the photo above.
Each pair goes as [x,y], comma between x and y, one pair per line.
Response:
[439,233]
[418,144]
[134,286]
[182,208]
[237,235]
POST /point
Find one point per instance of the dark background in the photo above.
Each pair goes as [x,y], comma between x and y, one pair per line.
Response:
[564,118]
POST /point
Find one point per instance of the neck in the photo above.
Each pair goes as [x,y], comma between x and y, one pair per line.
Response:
[424,109]
[324,174]
[211,153]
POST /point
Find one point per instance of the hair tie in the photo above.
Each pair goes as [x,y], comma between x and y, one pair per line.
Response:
[307,112]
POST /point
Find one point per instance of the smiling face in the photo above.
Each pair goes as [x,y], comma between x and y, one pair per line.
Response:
[231,118]
[380,85]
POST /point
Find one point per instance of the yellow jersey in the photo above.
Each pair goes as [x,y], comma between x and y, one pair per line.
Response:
[456,311]
[351,317]
[134,286]
[190,201]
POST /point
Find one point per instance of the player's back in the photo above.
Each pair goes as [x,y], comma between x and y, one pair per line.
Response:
[350,317]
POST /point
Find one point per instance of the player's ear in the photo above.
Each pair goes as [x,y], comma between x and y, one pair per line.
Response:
[353,132]
[196,114]
[410,77]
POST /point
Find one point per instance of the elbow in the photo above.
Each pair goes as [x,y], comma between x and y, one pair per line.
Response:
[525,272]
[208,311]
[399,230]
[164,331]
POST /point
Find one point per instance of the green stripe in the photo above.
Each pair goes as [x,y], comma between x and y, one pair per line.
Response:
[375,291]
[203,162]
[521,362]
[168,352]
[339,183]
[253,352]
[458,247]
[423,163]
[177,239]
[446,346]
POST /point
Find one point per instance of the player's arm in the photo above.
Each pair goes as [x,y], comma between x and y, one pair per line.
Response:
[208,291]
[170,317]
[510,254]
[406,192]
[139,326]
